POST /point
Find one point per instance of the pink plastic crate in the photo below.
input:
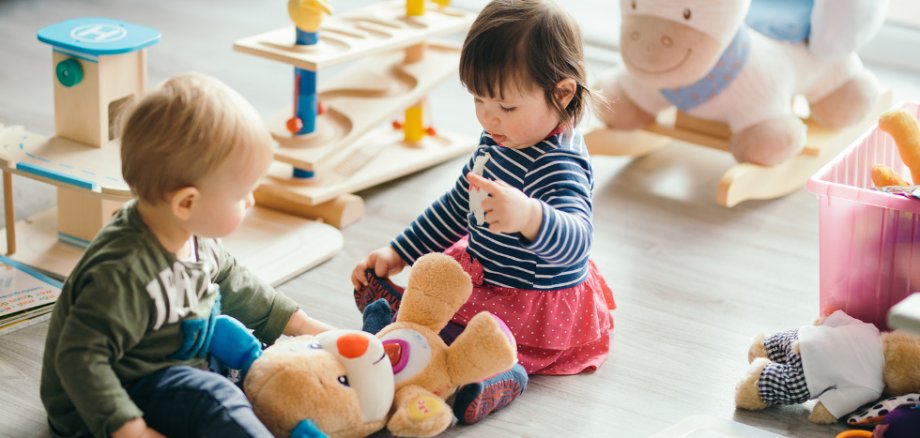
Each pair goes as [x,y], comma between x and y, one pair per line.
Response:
[869,240]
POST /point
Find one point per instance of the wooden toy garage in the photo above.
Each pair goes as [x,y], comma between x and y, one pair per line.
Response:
[99,68]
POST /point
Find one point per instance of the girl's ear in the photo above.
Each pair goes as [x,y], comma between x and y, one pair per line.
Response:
[182,201]
[564,92]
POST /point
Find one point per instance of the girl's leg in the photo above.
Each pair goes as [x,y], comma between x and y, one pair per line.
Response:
[183,401]
[476,400]
[376,288]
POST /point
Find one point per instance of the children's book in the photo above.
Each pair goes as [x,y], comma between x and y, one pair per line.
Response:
[26,295]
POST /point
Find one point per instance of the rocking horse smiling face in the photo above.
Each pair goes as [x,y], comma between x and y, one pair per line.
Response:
[672,43]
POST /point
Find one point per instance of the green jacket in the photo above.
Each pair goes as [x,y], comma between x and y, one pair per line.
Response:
[130,308]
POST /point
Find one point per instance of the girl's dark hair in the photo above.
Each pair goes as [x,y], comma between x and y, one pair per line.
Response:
[525,42]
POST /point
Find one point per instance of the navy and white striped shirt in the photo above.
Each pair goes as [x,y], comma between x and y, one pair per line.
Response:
[557,172]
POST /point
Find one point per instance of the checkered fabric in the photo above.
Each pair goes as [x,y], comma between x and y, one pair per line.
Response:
[782,382]
[779,345]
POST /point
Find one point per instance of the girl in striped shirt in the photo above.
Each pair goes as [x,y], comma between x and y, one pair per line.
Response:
[518,219]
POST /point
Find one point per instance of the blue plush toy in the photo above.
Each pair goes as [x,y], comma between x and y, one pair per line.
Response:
[233,345]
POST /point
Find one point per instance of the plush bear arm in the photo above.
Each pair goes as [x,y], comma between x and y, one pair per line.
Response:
[485,348]
[419,413]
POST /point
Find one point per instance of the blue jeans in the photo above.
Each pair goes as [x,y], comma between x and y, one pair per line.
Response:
[181,401]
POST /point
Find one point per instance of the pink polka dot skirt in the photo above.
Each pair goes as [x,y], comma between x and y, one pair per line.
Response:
[558,332]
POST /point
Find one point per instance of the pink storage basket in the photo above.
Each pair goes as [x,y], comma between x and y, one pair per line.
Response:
[869,240]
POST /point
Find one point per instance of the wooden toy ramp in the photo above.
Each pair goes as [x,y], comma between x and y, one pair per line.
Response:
[743,181]
[370,30]
[354,146]
[272,244]
[363,98]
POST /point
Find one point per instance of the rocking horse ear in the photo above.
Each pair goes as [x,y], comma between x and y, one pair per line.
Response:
[307,429]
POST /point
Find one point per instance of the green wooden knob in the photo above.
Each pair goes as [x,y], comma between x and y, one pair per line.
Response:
[69,72]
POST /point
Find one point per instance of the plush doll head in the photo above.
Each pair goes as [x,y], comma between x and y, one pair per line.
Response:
[339,382]
[842,362]
[671,43]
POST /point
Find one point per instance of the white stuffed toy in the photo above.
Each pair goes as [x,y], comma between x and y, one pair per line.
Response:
[700,56]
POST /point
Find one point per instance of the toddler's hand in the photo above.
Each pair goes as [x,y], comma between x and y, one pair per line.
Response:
[507,209]
[385,262]
[136,428]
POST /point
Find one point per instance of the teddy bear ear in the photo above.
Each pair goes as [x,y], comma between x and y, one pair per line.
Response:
[307,429]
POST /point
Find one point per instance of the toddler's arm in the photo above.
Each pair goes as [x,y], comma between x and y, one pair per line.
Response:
[562,183]
[110,315]
[442,224]
[249,299]
[302,324]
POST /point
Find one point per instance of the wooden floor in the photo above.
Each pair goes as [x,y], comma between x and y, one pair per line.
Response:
[693,281]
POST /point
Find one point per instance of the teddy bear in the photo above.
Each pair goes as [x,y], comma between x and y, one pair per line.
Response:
[840,361]
[348,383]
[701,57]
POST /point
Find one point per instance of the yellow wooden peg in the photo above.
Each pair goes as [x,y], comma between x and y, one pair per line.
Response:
[415,8]
[307,15]
[414,127]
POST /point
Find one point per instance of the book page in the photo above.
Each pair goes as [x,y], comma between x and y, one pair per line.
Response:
[23,288]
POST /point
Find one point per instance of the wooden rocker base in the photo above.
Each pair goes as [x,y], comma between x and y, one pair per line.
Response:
[743,181]
[275,246]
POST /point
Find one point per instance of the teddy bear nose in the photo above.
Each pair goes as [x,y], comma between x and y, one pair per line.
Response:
[352,345]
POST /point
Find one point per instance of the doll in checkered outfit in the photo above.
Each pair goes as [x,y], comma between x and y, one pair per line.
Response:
[840,361]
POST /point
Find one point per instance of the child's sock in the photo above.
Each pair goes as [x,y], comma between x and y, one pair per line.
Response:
[378,288]
[476,400]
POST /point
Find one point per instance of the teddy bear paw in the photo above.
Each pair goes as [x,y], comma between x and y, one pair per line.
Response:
[821,415]
[757,349]
[423,415]
[747,393]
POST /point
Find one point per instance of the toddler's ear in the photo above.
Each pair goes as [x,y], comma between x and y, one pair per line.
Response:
[564,91]
[182,201]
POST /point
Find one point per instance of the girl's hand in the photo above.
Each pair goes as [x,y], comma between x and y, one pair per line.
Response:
[385,262]
[507,209]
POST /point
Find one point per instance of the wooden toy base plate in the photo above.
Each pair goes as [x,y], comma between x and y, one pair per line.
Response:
[275,246]
[383,157]
[744,181]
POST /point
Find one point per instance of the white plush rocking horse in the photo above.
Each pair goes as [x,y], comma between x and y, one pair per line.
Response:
[729,69]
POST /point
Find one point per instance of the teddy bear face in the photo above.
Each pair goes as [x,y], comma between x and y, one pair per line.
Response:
[341,380]
[668,44]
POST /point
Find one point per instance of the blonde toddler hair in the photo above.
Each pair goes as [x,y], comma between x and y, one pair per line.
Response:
[184,130]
